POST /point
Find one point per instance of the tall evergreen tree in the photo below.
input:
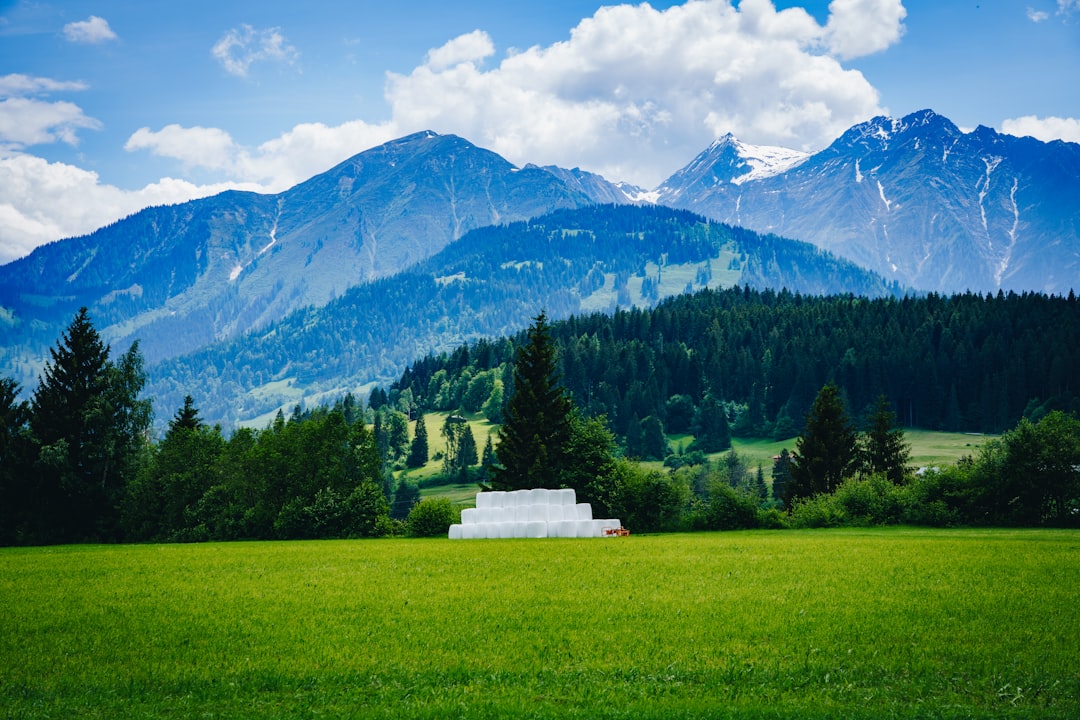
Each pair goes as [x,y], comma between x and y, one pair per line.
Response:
[418,451]
[533,438]
[827,451]
[711,430]
[781,474]
[883,447]
[187,417]
[70,426]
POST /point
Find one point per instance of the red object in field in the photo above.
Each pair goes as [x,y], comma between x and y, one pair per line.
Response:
[616,532]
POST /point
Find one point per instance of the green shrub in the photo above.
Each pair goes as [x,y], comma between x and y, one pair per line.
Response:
[432,517]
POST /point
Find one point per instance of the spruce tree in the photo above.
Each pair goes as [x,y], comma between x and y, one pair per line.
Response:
[883,448]
[14,458]
[827,451]
[534,436]
[418,451]
[89,426]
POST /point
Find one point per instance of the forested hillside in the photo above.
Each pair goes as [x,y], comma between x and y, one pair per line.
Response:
[491,283]
[964,362]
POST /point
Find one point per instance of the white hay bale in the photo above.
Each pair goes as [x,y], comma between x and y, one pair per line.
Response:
[537,513]
[492,530]
[584,511]
[539,496]
[554,513]
[506,529]
[566,496]
[536,529]
[568,529]
[468,532]
[469,516]
[519,529]
[521,497]
[510,499]
[521,513]
[584,528]
[455,532]
[483,500]
[498,498]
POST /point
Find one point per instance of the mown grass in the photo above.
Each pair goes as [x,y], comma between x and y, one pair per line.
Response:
[894,623]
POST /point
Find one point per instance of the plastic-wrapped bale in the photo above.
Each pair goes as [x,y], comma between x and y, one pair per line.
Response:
[521,513]
[455,532]
[498,498]
[539,496]
[492,530]
[521,497]
[587,528]
[519,528]
[569,512]
[584,511]
[470,532]
[536,529]
[483,500]
[470,516]
[565,496]
[537,513]
[504,514]
[506,529]
[554,513]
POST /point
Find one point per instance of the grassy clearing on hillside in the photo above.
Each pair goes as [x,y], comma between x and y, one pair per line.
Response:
[856,623]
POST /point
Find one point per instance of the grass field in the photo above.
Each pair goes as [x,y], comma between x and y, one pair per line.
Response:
[894,623]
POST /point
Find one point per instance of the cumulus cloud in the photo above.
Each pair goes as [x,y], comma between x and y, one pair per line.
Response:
[28,120]
[93,30]
[1045,129]
[471,47]
[42,201]
[275,165]
[636,91]
[1037,16]
[241,47]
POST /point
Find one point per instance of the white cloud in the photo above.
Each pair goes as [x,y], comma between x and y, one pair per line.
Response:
[28,121]
[42,201]
[1067,6]
[636,91]
[241,47]
[469,48]
[276,165]
[20,85]
[1045,129]
[92,30]
[1037,16]
[862,27]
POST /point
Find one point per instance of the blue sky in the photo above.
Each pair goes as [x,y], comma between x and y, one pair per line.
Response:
[109,106]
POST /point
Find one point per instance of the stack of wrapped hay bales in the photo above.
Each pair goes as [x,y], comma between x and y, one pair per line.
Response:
[536,513]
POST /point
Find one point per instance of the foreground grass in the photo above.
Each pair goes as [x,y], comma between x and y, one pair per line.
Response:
[856,623]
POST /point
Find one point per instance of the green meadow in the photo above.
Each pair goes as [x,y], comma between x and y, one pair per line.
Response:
[883,623]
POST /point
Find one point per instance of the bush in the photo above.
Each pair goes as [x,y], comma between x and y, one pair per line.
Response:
[729,508]
[432,517]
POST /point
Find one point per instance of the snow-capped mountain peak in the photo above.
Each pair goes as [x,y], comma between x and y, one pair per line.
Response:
[729,160]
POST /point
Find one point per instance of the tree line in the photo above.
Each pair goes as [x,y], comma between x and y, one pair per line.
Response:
[749,363]
[78,463]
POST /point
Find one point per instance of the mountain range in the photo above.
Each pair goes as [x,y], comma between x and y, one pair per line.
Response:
[914,199]
[919,203]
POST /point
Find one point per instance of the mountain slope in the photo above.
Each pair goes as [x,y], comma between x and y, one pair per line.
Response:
[492,282]
[914,199]
[181,276]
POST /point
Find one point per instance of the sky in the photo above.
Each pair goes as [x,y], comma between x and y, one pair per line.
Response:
[110,106]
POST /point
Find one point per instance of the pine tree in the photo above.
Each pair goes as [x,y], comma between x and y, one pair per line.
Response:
[827,451]
[89,425]
[467,455]
[883,448]
[781,474]
[187,417]
[418,451]
[533,438]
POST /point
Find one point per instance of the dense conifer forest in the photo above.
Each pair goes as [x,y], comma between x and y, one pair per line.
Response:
[962,363]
